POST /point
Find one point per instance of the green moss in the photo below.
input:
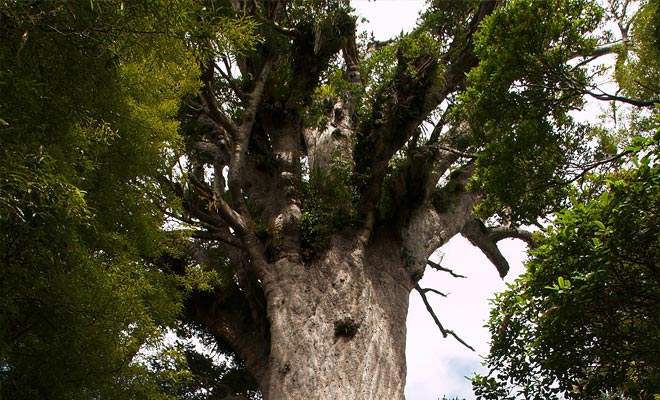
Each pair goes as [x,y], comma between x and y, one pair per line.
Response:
[329,206]
[444,196]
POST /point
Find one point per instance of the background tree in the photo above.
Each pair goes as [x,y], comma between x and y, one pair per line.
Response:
[90,94]
[581,323]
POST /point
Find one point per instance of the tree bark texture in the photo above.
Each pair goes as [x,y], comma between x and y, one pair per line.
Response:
[337,327]
[324,320]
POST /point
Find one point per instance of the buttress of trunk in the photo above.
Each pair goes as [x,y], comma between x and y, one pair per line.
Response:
[338,327]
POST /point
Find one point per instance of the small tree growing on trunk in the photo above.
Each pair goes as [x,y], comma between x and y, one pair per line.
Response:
[322,170]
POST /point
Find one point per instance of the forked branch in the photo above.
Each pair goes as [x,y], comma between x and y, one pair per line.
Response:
[445,332]
[426,290]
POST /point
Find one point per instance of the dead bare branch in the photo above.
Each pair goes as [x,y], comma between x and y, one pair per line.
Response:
[439,267]
[445,332]
[426,290]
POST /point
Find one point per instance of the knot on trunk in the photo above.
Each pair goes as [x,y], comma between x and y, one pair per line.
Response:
[346,327]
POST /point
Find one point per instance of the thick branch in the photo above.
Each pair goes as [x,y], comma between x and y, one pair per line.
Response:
[438,220]
[503,232]
[477,233]
[220,236]
[403,105]
[214,110]
[462,62]
[455,151]
[611,48]
[284,30]
[237,215]
[228,316]
[336,136]
[351,59]
[237,164]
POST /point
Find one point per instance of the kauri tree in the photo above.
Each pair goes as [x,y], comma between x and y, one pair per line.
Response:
[323,169]
[314,170]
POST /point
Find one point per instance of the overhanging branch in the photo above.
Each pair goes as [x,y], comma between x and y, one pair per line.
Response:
[477,233]
[503,232]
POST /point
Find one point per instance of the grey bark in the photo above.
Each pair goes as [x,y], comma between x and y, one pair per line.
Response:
[337,326]
[332,326]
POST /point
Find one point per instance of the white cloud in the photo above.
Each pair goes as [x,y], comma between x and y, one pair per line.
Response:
[437,366]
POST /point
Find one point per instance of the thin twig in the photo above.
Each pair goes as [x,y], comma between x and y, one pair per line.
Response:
[439,267]
[445,332]
[425,290]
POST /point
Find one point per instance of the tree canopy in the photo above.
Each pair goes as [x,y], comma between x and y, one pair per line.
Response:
[582,322]
[90,95]
[259,175]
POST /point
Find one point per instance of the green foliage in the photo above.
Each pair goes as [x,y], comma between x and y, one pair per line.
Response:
[519,99]
[311,57]
[90,92]
[637,69]
[212,372]
[334,86]
[398,63]
[582,322]
[329,205]
[446,20]
[381,65]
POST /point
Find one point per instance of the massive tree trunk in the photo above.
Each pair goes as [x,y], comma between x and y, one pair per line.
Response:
[322,265]
[337,326]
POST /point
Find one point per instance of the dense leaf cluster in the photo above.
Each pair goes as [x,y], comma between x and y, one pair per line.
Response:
[329,206]
[582,322]
[519,102]
[89,95]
